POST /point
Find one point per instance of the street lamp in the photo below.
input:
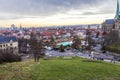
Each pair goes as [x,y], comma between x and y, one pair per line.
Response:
[28,47]
[27,43]
[11,46]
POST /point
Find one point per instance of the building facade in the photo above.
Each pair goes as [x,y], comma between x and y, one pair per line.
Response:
[112,28]
[108,25]
[8,44]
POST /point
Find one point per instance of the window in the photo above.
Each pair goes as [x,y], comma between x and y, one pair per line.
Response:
[6,44]
[0,45]
[15,47]
[10,44]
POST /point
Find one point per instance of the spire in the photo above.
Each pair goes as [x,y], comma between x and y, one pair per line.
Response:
[20,26]
[117,11]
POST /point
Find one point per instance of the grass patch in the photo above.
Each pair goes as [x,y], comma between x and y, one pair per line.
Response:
[60,69]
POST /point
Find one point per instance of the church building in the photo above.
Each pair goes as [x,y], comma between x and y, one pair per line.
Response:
[112,27]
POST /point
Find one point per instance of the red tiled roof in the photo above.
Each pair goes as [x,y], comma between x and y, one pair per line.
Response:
[46,33]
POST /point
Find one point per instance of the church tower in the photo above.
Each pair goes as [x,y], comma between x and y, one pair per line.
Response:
[115,32]
[20,30]
[117,16]
[21,27]
[113,27]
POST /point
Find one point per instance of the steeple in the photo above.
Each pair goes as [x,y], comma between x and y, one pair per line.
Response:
[117,16]
[20,30]
[20,26]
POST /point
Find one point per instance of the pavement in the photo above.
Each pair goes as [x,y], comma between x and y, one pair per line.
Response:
[97,54]
[86,54]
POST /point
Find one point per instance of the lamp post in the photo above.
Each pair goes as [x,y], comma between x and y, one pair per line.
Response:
[28,47]
[27,44]
[11,48]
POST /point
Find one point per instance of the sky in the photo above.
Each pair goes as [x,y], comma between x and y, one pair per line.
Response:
[55,12]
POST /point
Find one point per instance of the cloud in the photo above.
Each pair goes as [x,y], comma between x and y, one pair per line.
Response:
[45,8]
[98,12]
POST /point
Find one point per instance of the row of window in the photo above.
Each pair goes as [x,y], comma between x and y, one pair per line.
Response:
[8,49]
[5,45]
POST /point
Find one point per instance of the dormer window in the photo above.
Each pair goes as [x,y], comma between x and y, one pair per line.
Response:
[11,41]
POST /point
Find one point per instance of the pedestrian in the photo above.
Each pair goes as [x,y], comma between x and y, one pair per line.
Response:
[92,55]
[114,59]
[111,60]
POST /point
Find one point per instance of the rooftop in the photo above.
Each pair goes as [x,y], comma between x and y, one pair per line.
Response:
[6,39]
[109,21]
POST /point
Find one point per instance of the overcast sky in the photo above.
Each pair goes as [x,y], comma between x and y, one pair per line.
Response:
[55,12]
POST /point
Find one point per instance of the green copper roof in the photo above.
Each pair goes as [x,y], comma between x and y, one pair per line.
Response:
[117,16]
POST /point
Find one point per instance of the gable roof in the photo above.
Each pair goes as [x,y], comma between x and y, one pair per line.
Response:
[109,21]
[6,39]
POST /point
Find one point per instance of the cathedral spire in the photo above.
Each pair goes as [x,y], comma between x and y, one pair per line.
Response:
[117,16]
[20,26]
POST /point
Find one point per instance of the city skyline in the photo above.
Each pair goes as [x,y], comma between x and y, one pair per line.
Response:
[54,12]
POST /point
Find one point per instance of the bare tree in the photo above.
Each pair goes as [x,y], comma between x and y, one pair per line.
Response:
[76,42]
[62,48]
[37,47]
[89,40]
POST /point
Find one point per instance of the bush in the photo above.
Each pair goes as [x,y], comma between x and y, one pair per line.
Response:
[9,57]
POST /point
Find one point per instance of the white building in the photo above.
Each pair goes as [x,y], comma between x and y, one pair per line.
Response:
[8,44]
